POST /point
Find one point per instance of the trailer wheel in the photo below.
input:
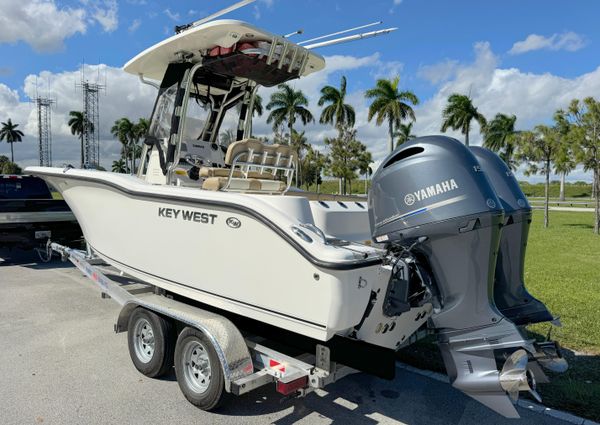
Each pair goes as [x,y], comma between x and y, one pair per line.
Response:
[151,343]
[198,370]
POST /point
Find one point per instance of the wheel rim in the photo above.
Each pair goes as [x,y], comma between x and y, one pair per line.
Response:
[196,366]
[143,340]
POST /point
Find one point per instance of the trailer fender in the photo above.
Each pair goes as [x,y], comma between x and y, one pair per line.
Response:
[226,338]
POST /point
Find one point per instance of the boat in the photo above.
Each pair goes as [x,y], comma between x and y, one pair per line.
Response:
[30,215]
[222,225]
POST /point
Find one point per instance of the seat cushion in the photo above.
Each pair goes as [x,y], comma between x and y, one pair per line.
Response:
[245,185]
[265,175]
[219,172]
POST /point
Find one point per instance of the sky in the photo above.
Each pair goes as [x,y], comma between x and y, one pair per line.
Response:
[526,58]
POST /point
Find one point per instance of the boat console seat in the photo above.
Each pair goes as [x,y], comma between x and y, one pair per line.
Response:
[252,166]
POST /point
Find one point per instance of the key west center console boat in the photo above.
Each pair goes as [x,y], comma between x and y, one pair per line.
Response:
[220,224]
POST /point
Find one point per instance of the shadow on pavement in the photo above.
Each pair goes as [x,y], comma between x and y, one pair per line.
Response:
[29,259]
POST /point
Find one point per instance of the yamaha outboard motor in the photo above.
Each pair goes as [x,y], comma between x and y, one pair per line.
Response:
[510,295]
[436,212]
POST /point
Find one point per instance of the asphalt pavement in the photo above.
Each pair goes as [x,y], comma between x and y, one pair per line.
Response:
[61,363]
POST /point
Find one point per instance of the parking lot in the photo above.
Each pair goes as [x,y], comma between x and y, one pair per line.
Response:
[61,363]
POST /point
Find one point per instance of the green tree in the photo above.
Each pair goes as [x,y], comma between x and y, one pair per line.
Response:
[586,136]
[404,133]
[347,156]
[538,149]
[313,164]
[458,114]
[140,130]
[227,137]
[391,105]
[10,133]
[124,130]
[286,106]
[8,167]
[79,124]
[500,136]
[337,112]
[564,161]
[119,166]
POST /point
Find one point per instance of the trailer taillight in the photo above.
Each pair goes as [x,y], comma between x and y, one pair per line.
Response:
[286,388]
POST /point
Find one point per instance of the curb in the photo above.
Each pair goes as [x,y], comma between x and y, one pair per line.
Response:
[525,404]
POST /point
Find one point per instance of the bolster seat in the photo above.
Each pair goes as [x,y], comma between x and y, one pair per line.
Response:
[255,167]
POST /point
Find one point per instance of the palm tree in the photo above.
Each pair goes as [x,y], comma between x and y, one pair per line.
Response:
[336,112]
[78,124]
[10,133]
[140,129]
[404,133]
[286,106]
[257,106]
[227,137]
[119,166]
[459,113]
[499,135]
[391,104]
[124,130]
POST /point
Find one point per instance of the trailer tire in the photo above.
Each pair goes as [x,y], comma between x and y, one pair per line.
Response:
[198,369]
[151,342]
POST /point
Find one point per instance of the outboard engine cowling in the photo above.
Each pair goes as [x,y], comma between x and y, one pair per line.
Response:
[434,209]
[434,187]
[510,295]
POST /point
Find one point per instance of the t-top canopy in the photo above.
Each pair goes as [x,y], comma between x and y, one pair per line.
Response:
[215,37]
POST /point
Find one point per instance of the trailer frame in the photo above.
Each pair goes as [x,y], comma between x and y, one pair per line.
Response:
[247,363]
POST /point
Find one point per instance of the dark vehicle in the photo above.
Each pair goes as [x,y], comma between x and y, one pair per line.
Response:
[29,215]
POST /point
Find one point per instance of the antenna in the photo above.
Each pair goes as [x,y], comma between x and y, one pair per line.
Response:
[44,113]
[350,38]
[91,116]
[340,32]
[181,28]
[300,31]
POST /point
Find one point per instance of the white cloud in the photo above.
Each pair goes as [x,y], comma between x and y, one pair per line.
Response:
[568,41]
[532,97]
[172,15]
[256,12]
[124,96]
[397,2]
[439,72]
[105,12]
[39,23]
[135,24]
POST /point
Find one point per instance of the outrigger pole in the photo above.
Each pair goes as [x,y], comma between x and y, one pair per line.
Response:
[181,28]
[340,32]
[350,38]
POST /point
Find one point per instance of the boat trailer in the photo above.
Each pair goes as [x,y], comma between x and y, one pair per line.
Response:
[246,363]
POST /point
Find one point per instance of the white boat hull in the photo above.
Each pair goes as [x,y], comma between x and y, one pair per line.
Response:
[250,270]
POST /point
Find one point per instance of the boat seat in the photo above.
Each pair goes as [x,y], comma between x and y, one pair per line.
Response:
[252,166]
[243,184]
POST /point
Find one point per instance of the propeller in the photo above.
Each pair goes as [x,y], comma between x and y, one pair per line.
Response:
[515,377]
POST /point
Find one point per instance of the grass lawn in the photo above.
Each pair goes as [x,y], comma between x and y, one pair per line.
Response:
[563,270]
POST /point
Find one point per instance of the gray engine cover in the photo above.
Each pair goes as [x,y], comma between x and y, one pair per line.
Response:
[425,181]
[510,295]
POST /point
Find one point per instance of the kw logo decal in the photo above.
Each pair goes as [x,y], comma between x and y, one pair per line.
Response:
[233,222]
[430,191]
